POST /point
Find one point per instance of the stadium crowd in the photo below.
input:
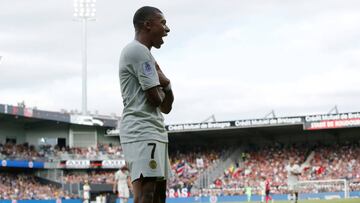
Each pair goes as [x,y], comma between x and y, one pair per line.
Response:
[25,186]
[94,177]
[21,151]
[50,153]
[187,166]
[338,161]
[101,151]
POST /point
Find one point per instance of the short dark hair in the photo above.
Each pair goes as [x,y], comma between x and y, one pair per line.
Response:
[143,14]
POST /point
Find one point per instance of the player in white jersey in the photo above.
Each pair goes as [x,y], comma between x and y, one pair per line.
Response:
[86,192]
[293,172]
[147,94]
[122,184]
[262,191]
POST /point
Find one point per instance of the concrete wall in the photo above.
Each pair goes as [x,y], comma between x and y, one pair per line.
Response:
[34,134]
[103,139]
[12,130]
[82,136]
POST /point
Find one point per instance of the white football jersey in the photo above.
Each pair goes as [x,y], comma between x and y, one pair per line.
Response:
[121,178]
[293,169]
[262,185]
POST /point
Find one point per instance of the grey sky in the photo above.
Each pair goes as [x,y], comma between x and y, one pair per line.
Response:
[235,59]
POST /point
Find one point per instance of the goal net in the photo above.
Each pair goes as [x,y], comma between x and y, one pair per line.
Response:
[320,186]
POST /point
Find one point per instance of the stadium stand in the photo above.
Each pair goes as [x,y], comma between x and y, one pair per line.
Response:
[339,161]
[94,177]
[187,164]
[241,151]
[26,186]
[53,153]
[21,151]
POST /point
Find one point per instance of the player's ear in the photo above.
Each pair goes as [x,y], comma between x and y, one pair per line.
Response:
[147,24]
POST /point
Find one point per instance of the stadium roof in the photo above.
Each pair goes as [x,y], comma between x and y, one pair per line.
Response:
[310,122]
[268,125]
[33,115]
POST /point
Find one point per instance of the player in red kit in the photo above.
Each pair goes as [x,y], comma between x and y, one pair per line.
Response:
[266,188]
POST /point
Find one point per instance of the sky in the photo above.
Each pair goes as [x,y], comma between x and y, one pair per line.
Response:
[234,59]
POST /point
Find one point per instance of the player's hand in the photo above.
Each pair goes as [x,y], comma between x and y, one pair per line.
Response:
[164,81]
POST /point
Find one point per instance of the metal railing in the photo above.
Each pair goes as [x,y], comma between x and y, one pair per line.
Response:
[210,174]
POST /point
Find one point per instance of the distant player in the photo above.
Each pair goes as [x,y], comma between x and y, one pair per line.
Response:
[293,171]
[86,191]
[248,191]
[265,189]
[122,183]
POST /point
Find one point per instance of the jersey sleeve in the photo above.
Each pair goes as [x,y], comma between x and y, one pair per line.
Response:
[147,75]
[144,68]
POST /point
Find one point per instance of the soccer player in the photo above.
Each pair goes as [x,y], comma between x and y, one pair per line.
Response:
[248,192]
[86,191]
[293,171]
[146,93]
[267,189]
[122,183]
[262,190]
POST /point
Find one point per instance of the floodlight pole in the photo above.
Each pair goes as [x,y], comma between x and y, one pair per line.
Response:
[84,10]
[84,66]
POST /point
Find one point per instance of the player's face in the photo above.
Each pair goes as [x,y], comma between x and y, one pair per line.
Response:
[158,30]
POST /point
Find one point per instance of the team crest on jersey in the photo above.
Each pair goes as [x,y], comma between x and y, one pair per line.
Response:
[148,70]
[152,164]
